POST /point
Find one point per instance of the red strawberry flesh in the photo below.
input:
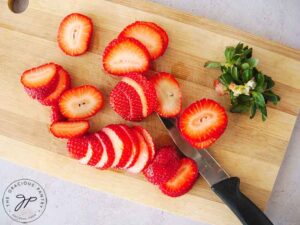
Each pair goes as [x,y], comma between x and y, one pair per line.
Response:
[203,120]
[80,102]
[163,167]
[74,34]
[69,129]
[125,55]
[168,94]
[149,36]
[183,180]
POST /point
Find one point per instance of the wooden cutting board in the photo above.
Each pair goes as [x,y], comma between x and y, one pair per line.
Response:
[250,149]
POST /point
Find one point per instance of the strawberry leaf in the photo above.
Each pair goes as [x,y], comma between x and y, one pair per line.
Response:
[211,64]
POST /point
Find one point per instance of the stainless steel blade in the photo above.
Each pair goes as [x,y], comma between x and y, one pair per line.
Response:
[208,167]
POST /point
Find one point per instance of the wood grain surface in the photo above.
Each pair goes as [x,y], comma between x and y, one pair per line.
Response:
[250,149]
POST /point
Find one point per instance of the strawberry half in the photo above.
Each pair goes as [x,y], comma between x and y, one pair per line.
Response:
[149,36]
[125,55]
[64,83]
[168,94]
[203,120]
[148,139]
[183,180]
[108,155]
[204,144]
[55,115]
[145,90]
[121,144]
[69,129]
[126,102]
[143,158]
[162,32]
[40,81]
[74,34]
[134,145]
[80,102]
[163,167]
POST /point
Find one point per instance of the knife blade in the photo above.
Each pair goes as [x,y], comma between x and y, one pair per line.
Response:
[226,187]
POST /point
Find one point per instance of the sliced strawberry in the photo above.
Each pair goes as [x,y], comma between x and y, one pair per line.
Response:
[149,36]
[183,180]
[125,101]
[143,157]
[134,143]
[40,81]
[80,102]
[121,144]
[204,144]
[74,34]
[149,140]
[64,83]
[163,167]
[69,129]
[162,32]
[108,155]
[145,90]
[125,55]
[56,116]
[168,94]
[203,120]
[80,149]
[97,150]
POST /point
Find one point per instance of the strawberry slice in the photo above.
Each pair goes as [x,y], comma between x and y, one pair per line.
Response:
[74,34]
[168,94]
[80,149]
[108,155]
[134,143]
[148,139]
[143,157]
[69,129]
[56,116]
[149,36]
[163,167]
[121,144]
[64,83]
[125,101]
[204,144]
[125,55]
[162,32]
[145,90]
[80,102]
[203,120]
[97,150]
[183,180]
[40,81]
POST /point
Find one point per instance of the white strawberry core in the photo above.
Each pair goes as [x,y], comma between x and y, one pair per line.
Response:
[88,155]
[104,157]
[117,144]
[140,92]
[142,158]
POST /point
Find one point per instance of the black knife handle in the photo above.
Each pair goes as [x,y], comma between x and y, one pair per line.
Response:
[248,213]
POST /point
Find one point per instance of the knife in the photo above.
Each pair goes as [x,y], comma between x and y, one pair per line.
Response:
[226,187]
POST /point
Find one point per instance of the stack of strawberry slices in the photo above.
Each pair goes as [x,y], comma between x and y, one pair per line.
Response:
[50,84]
[114,146]
[130,56]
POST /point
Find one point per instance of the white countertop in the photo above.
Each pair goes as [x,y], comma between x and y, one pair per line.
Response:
[70,204]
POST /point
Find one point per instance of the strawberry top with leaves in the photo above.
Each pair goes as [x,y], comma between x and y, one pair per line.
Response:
[249,89]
